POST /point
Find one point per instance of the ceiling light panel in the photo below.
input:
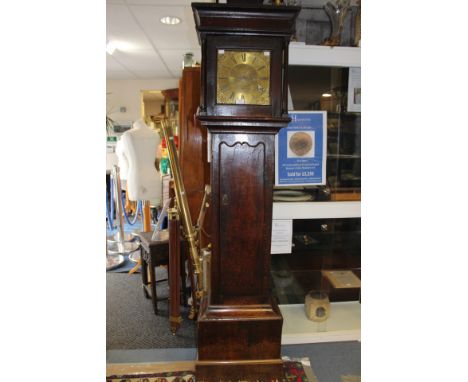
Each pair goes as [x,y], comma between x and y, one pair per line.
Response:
[167,36]
[111,47]
[170,20]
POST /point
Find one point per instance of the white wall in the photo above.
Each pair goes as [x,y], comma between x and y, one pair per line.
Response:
[153,107]
[127,93]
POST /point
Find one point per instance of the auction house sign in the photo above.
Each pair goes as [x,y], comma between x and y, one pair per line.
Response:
[301,150]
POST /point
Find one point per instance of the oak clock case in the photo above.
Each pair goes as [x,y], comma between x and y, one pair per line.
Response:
[243,104]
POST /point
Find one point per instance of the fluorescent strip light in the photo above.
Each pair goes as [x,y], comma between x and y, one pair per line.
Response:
[110,47]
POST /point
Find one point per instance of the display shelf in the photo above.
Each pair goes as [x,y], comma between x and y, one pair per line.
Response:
[320,55]
[316,210]
[344,324]
[343,156]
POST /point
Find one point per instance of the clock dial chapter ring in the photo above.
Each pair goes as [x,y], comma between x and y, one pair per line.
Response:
[243,81]
[243,78]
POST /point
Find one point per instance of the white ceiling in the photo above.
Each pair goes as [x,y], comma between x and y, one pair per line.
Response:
[146,48]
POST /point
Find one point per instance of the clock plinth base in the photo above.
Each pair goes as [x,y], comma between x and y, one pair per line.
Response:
[240,343]
[254,371]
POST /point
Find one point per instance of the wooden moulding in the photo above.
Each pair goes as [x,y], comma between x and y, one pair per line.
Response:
[266,19]
[261,371]
[242,124]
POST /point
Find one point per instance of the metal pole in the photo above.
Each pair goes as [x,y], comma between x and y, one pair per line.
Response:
[120,234]
[120,246]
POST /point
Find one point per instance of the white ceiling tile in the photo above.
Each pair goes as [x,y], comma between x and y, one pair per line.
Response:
[112,64]
[119,75]
[123,30]
[134,26]
[163,36]
[140,60]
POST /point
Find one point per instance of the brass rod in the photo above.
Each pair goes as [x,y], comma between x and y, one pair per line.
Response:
[182,203]
[201,215]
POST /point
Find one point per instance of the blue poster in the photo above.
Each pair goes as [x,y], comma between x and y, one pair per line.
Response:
[301,150]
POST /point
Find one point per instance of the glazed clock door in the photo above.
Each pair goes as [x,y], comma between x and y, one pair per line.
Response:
[244,79]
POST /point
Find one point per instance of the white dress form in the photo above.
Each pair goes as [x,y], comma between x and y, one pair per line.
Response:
[139,146]
[123,162]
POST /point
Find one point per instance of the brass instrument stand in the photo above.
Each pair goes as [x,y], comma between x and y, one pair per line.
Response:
[190,233]
[181,213]
[174,269]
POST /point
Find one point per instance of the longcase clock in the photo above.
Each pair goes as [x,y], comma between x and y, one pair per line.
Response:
[243,104]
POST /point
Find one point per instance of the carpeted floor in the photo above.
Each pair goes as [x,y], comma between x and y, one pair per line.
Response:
[131,322]
[330,360]
[136,334]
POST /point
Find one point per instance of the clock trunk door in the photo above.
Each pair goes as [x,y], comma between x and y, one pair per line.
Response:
[243,192]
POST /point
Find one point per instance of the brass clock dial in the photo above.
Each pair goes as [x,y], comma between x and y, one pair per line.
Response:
[243,77]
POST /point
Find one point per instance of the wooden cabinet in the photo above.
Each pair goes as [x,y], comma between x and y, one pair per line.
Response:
[193,145]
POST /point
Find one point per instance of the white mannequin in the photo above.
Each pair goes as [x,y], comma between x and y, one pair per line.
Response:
[123,163]
[139,146]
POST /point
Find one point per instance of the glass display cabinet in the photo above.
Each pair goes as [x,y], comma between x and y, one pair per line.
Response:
[319,246]
[326,89]
[326,242]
